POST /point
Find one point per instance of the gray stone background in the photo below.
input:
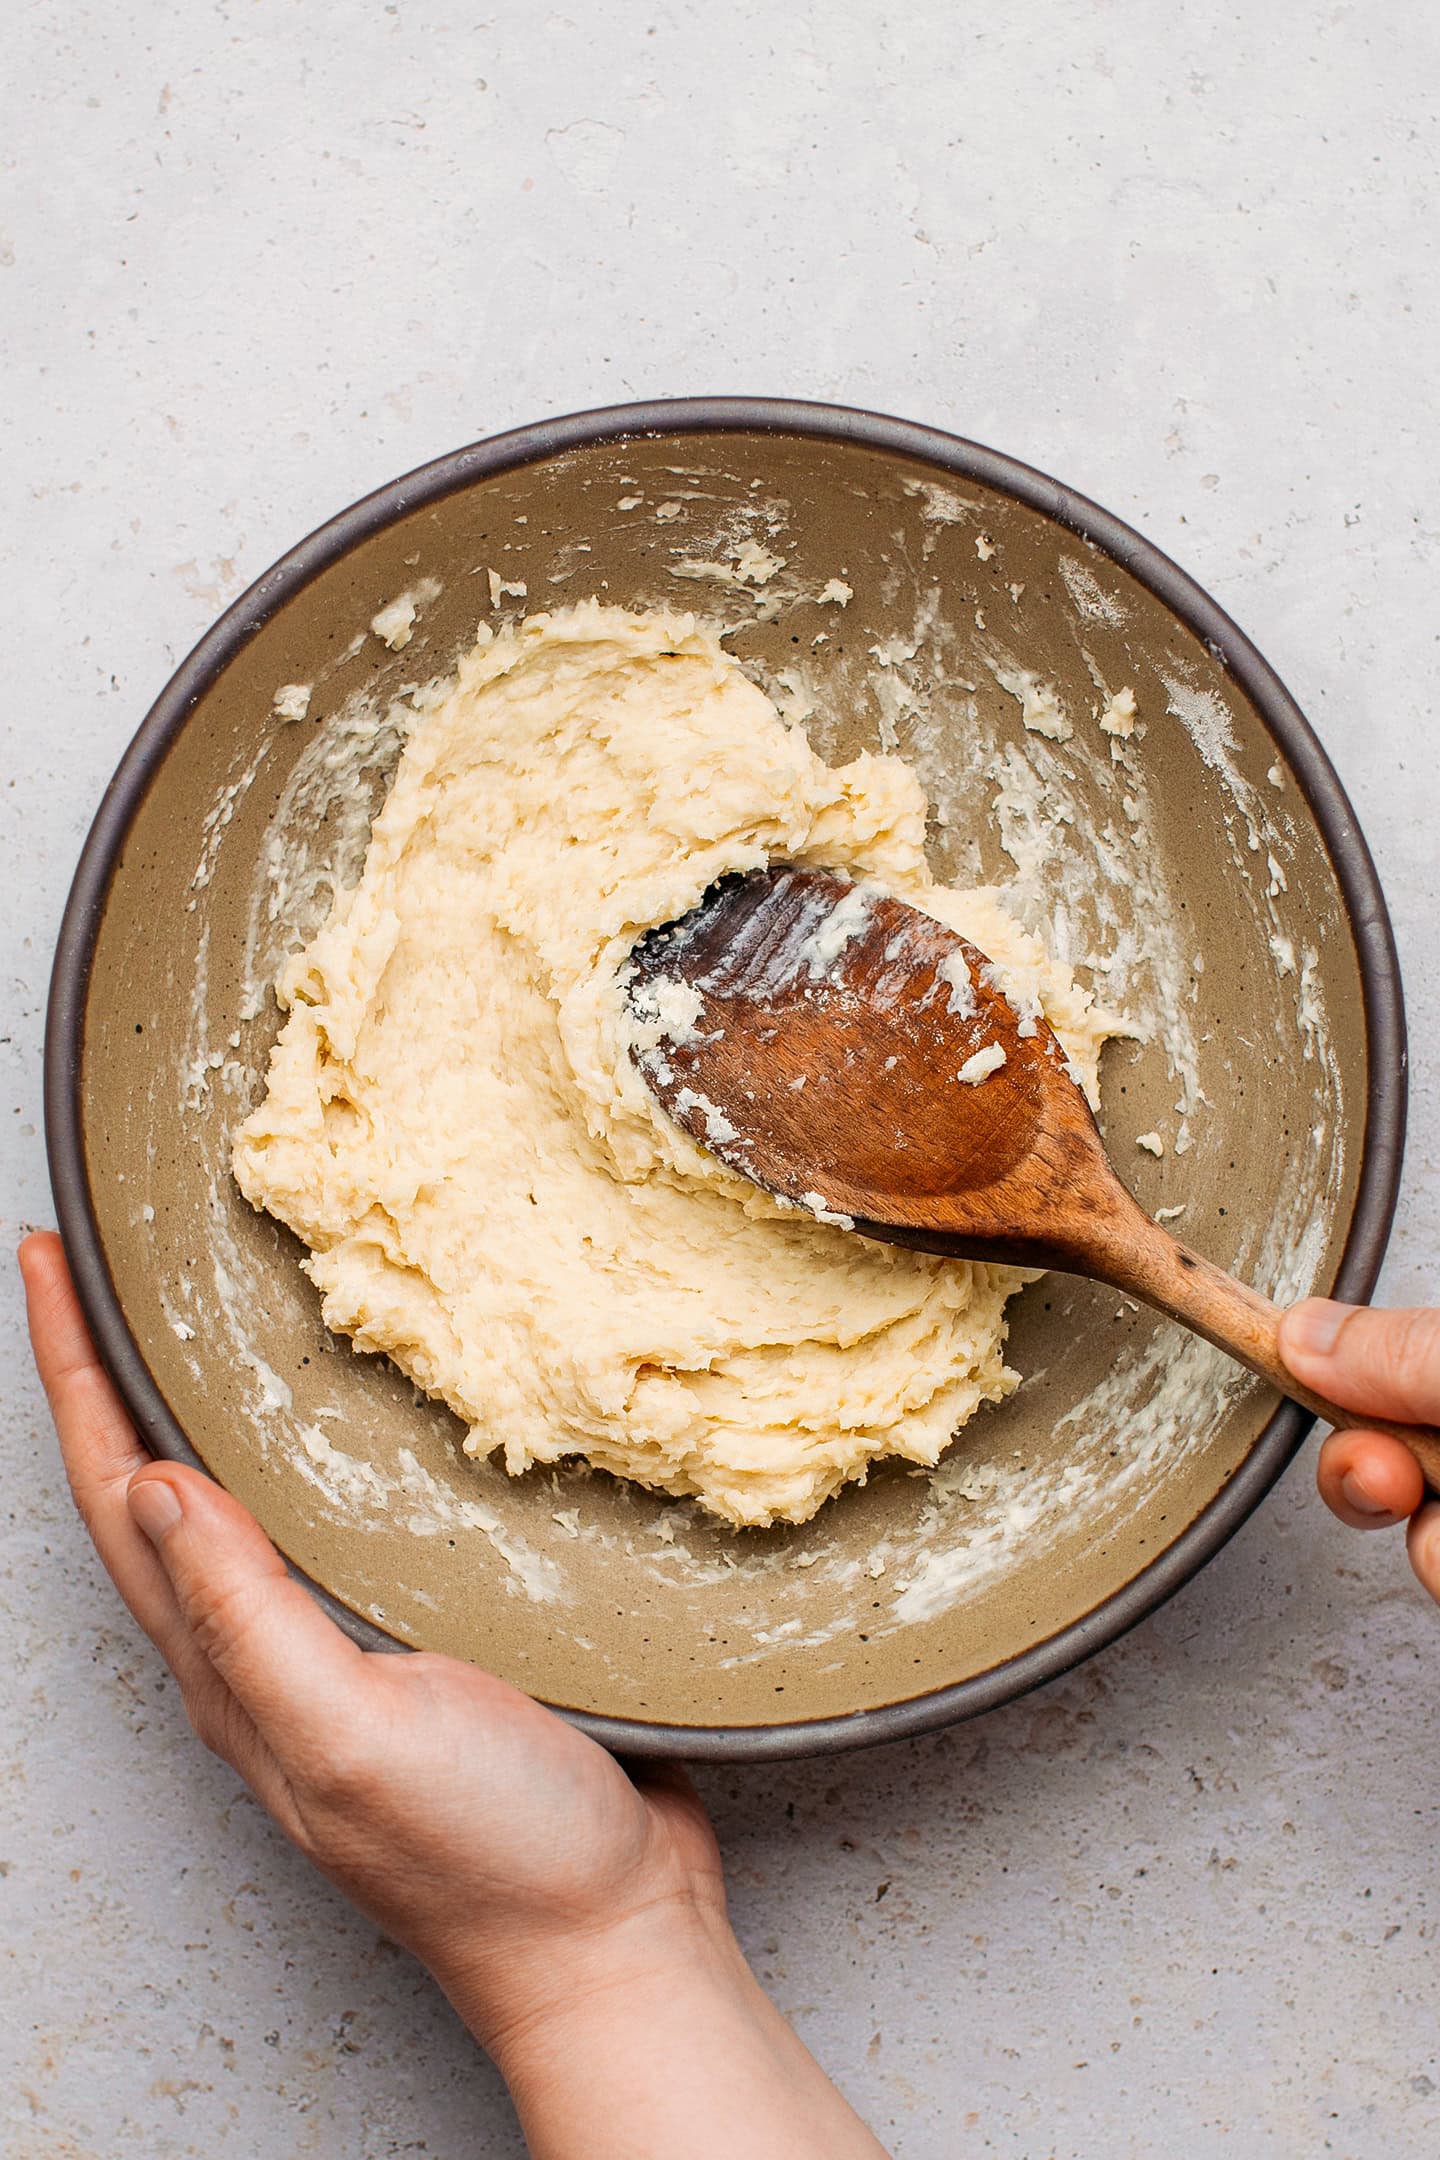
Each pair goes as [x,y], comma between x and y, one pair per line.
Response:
[255,258]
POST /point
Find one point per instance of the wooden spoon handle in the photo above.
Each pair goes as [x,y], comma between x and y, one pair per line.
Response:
[1144,1260]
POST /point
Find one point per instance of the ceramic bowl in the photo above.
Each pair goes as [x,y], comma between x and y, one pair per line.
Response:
[1206,873]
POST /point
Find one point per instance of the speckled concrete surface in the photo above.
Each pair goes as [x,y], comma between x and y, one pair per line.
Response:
[255,259]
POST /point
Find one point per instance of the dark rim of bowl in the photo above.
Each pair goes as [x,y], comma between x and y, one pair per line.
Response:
[1369,924]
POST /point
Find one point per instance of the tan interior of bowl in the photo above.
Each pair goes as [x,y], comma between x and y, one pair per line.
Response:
[1182,867]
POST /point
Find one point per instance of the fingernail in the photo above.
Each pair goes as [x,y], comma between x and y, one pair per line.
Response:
[1360,1497]
[1314,1326]
[153,1505]
[1425,1549]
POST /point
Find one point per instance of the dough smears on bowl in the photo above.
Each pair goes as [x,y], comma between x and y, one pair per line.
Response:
[491,1196]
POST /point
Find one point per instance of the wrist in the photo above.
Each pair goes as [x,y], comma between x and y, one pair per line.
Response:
[536,1996]
[652,2037]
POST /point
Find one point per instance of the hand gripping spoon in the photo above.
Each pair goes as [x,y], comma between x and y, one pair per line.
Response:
[857,1058]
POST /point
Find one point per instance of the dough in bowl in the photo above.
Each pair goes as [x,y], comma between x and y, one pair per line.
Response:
[491,1196]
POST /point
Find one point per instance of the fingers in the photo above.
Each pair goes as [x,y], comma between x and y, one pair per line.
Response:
[1423,1540]
[1386,1363]
[198,1625]
[197,1571]
[1369,1480]
[286,1664]
[97,1441]
[102,1455]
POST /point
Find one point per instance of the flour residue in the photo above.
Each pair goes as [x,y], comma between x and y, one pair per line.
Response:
[1151,1410]
[1041,712]
[1117,717]
[1092,602]
[985,1061]
[751,564]
[941,504]
[292,700]
[504,589]
[1206,720]
[394,624]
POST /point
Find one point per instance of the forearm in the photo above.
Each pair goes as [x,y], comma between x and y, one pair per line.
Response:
[664,2046]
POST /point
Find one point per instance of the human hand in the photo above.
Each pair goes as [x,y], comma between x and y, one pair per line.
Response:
[1386,1363]
[574,1914]
[475,1827]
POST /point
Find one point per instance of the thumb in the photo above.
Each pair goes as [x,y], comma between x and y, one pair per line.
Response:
[1386,1364]
[282,1659]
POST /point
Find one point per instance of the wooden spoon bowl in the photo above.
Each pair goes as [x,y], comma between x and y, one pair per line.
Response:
[860,1059]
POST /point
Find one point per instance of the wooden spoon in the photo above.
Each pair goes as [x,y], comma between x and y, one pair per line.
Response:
[844,1051]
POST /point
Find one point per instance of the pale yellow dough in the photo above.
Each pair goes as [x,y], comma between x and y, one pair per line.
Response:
[490,1194]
